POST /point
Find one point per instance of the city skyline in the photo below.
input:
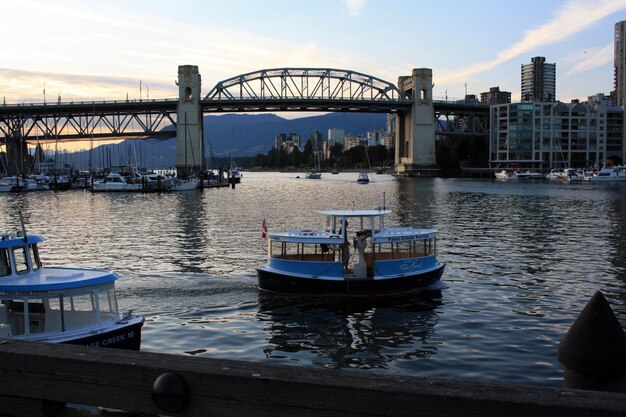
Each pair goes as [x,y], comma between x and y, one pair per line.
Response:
[76,50]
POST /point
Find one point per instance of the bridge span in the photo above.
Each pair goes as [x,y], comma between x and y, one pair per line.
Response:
[418,117]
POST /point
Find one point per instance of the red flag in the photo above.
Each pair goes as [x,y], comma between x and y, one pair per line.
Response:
[264,234]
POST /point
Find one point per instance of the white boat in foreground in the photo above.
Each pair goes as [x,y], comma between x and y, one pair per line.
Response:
[59,305]
[389,260]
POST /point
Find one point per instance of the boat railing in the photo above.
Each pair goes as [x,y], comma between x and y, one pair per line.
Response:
[310,257]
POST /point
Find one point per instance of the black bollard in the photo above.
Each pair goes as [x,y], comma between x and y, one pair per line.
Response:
[593,350]
[170,392]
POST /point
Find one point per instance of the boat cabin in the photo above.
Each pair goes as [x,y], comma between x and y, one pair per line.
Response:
[36,300]
[353,243]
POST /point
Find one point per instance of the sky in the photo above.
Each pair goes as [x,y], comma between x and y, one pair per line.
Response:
[95,50]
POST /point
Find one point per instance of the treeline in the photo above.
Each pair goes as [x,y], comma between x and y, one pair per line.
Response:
[358,157]
[451,152]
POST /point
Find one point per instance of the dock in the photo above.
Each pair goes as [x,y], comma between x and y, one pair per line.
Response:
[38,379]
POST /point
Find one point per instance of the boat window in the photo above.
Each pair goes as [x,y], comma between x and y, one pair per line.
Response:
[79,311]
[36,316]
[21,259]
[5,263]
[108,304]
[34,256]
[83,302]
[303,252]
[408,249]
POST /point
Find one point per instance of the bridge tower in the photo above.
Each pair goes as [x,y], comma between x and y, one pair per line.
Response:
[189,124]
[415,130]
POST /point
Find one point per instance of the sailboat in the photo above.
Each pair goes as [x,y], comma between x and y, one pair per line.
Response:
[315,173]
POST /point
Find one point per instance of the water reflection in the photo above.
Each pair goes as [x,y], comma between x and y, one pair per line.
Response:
[350,332]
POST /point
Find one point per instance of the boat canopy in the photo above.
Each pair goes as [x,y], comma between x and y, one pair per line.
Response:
[11,239]
[355,213]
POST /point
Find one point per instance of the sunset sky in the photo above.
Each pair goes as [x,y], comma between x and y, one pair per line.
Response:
[105,50]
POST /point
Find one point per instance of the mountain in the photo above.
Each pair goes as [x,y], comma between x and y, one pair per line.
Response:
[242,135]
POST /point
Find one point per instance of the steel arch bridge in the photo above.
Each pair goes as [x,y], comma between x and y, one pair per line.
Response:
[305,89]
[275,90]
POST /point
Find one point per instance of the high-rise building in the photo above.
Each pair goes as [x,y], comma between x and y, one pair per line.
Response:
[539,80]
[619,60]
[557,135]
[495,96]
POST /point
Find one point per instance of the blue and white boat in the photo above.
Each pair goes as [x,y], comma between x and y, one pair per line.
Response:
[387,260]
[59,305]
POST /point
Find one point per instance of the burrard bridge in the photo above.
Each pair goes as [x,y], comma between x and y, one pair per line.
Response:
[418,117]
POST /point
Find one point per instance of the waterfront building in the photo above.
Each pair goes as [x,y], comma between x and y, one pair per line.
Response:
[279,140]
[287,141]
[539,80]
[374,137]
[557,135]
[619,64]
[335,136]
[495,96]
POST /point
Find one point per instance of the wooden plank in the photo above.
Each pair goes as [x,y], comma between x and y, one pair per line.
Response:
[123,380]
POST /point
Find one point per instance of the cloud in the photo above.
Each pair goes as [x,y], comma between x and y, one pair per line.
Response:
[575,16]
[590,59]
[355,7]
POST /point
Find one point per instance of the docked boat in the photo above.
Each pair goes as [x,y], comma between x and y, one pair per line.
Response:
[506,175]
[318,261]
[11,184]
[186,185]
[606,174]
[59,305]
[529,175]
[363,178]
[571,174]
[115,181]
[555,174]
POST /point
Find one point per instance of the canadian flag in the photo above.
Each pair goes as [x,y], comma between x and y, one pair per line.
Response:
[264,234]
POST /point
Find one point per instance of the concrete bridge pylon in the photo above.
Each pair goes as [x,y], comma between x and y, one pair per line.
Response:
[415,130]
[189,123]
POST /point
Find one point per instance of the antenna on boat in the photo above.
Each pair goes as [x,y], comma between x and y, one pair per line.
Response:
[384,200]
[23,227]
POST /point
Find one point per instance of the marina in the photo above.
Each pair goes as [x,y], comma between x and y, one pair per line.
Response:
[522,259]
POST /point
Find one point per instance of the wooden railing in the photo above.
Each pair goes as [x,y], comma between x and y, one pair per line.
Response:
[38,379]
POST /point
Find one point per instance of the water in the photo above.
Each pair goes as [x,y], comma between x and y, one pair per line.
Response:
[523,259]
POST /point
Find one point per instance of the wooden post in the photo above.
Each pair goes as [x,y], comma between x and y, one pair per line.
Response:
[594,349]
[195,386]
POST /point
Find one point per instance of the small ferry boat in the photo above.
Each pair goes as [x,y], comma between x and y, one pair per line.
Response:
[363,178]
[388,260]
[59,305]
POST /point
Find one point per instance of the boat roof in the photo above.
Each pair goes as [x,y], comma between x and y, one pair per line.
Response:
[355,213]
[54,279]
[8,240]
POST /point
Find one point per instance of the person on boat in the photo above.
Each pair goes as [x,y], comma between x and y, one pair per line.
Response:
[360,243]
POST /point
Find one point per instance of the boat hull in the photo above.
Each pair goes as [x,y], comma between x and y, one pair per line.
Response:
[274,281]
[120,337]
[125,337]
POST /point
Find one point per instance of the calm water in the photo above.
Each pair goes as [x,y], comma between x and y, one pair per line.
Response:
[522,261]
